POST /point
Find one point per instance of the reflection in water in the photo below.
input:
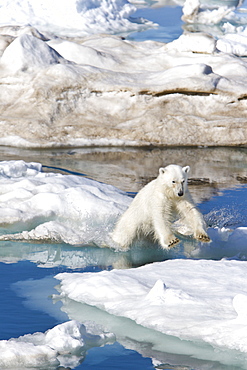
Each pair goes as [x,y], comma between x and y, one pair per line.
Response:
[52,255]
[163,349]
[131,168]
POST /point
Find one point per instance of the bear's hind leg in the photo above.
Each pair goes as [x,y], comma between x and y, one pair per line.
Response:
[124,234]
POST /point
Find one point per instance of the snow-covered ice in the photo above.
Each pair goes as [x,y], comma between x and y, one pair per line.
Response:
[201,301]
[110,91]
[55,207]
[73,18]
[209,13]
[100,89]
[64,345]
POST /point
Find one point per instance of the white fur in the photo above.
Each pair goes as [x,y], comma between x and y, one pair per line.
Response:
[150,212]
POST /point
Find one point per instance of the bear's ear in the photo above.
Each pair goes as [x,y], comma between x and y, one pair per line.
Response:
[186,169]
[162,170]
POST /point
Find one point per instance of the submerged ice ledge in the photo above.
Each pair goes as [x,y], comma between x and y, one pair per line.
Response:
[225,244]
[103,89]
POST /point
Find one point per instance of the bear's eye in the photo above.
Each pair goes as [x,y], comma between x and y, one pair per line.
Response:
[174,182]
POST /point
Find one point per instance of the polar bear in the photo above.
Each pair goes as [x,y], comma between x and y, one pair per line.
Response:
[151,211]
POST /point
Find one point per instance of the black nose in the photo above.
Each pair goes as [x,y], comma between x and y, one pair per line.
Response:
[181,193]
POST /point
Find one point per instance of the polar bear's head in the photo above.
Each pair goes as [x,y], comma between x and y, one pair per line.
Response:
[174,179]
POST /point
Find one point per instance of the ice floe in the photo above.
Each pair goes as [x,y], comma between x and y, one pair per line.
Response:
[64,345]
[235,44]
[73,18]
[196,12]
[201,301]
[54,207]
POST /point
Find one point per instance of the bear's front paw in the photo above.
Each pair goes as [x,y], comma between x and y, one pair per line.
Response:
[172,242]
[203,238]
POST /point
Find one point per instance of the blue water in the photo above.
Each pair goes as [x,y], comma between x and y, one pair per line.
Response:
[19,316]
[227,210]
[16,318]
[168,20]
[169,25]
[115,356]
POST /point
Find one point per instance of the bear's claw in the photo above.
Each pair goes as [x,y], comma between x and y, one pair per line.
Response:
[173,242]
[203,238]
